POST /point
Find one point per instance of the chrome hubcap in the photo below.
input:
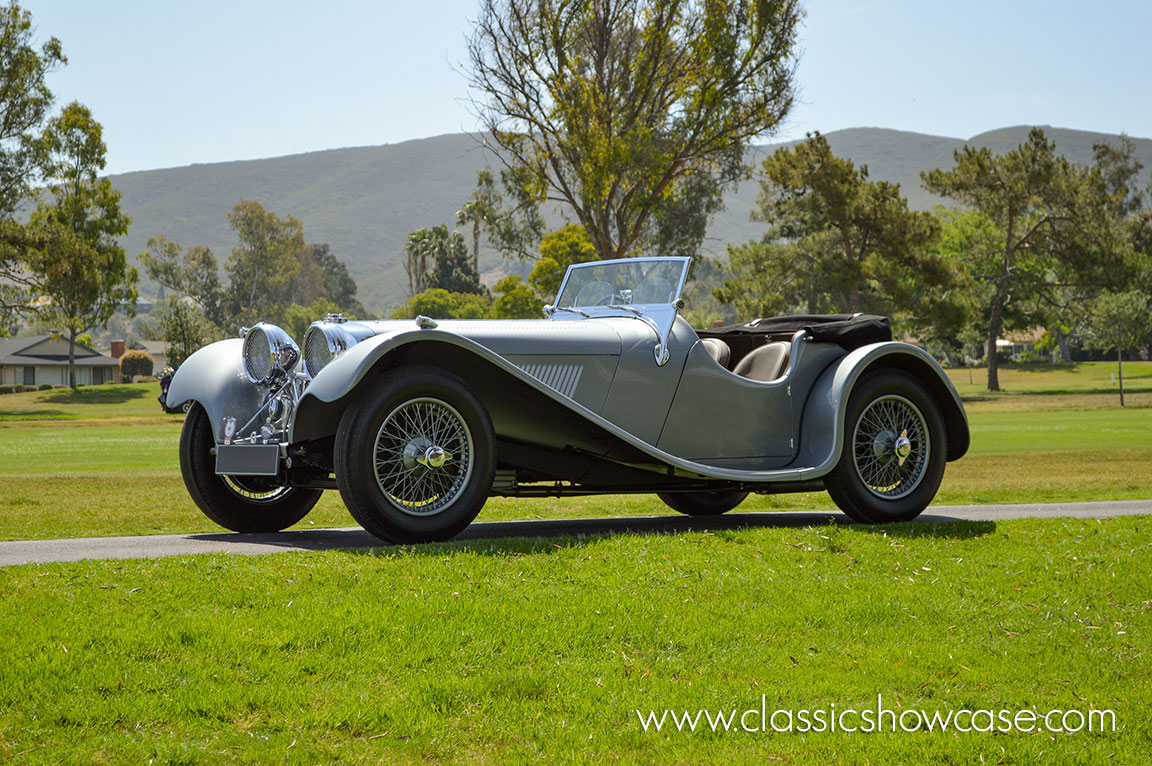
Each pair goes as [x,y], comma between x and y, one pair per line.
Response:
[891,447]
[423,456]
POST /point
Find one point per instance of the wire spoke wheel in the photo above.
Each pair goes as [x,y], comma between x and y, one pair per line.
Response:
[423,456]
[414,455]
[253,490]
[239,503]
[891,447]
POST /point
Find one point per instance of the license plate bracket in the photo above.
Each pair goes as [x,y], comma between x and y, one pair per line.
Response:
[248,459]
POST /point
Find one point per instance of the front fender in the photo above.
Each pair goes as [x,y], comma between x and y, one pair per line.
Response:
[214,377]
[822,430]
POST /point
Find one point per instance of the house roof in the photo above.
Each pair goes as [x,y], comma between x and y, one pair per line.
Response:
[153,347]
[48,351]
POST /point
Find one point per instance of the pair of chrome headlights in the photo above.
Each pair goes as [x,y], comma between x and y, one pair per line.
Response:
[270,353]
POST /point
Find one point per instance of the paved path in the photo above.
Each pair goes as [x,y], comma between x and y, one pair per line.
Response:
[155,546]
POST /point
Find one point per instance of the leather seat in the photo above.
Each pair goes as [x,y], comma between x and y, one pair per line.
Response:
[718,350]
[766,363]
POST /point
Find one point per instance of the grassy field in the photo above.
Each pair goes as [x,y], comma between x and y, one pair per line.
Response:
[61,478]
[544,650]
[1082,377]
[522,650]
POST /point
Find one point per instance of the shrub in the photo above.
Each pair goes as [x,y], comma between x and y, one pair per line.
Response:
[18,388]
[7,389]
[44,387]
[135,363]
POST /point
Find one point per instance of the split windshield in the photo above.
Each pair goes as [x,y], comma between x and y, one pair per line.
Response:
[624,282]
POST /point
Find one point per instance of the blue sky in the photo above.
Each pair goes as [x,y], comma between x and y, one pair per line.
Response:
[209,81]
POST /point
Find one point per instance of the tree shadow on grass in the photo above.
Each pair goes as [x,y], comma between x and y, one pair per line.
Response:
[510,537]
[96,395]
[6,415]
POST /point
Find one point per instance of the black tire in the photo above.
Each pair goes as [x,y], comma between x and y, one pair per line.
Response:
[871,483]
[380,446]
[239,503]
[702,503]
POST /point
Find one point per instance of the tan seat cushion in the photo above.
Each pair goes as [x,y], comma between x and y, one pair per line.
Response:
[718,350]
[765,363]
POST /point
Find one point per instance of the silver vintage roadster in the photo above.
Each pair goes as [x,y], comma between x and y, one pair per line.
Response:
[418,422]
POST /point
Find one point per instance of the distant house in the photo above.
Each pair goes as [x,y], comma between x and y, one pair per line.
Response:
[38,359]
[157,349]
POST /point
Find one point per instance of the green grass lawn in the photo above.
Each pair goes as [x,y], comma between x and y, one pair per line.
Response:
[1082,377]
[135,403]
[543,650]
[104,462]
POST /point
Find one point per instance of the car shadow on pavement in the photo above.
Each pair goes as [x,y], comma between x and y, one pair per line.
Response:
[551,530]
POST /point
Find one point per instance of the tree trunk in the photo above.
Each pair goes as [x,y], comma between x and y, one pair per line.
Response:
[476,246]
[992,354]
[1120,369]
[72,360]
[1062,342]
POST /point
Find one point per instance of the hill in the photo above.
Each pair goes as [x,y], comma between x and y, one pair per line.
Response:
[364,201]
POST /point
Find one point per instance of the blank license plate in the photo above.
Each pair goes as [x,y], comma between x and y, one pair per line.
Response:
[247,459]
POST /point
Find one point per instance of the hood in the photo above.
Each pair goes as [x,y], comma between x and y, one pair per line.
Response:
[521,336]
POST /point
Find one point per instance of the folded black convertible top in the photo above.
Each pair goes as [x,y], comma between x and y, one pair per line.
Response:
[847,330]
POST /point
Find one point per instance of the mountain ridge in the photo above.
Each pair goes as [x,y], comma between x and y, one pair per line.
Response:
[365,200]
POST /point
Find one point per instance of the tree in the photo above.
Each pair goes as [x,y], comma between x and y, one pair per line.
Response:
[262,268]
[1121,321]
[339,286]
[515,300]
[1040,206]
[441,304]
[623,108]
[186,328]
[837,241]
[25,102]
[559,250]
[84,273]
[438,259]
[192,271]
[134,363]
[514,227]
[297,317]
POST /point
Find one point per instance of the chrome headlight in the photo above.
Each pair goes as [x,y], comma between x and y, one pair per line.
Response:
[268,352]
[323,342]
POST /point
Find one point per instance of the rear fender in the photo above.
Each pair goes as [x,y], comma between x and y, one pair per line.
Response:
[822,429]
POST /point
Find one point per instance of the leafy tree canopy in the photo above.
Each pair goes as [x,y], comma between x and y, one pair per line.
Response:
[82,272]
[297,317]
[559,250]
[441,304]
[437,258]
[1121,321]
[1049,232]
[837,242]
[633,113]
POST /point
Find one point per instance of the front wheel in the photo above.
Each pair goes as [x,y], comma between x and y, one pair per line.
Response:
[415,456]
[239,503]
[702,503]
[893,456]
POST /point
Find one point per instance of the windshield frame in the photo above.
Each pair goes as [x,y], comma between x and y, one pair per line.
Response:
[630,309]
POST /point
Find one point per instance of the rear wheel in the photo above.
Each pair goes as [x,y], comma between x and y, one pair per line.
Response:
[239,503]
[702,503]
[415,456]
[893,456]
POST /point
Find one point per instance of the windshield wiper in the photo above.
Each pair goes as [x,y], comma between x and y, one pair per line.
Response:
[574,310]
[637,312]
